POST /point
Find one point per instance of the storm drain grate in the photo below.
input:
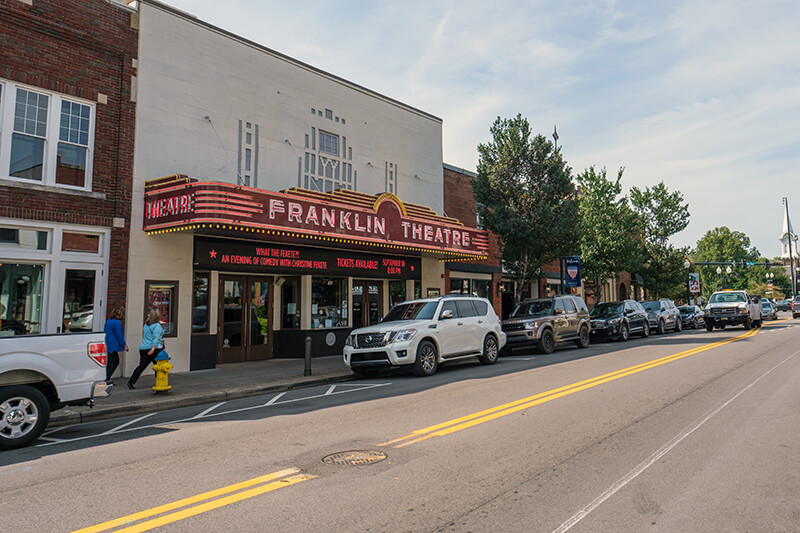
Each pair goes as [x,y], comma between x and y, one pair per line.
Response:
[354,458]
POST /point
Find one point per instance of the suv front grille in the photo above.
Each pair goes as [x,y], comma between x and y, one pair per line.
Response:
[724,311]
[513,327]
[370,340]
[368,356]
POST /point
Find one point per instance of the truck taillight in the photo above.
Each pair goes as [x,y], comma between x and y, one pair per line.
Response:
[97,351]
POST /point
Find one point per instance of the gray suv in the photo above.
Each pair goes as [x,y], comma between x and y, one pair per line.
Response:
[542,322]
[663,315]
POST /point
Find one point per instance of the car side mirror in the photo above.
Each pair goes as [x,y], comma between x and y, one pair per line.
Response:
[558,312]
[447,313]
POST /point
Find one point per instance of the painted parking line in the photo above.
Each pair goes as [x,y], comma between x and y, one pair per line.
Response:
[458,424]
[333,390]
[202,503]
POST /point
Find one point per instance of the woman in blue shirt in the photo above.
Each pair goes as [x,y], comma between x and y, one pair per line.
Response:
[115,340]
[152,343]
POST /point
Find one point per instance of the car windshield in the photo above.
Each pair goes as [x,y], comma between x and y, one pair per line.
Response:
[766,304]
[606,310]
[686,310]
[534,308]
[411,311]
[651,306]
[727,297]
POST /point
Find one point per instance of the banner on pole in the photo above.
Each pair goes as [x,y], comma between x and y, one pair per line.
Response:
[572,267]
[694,282]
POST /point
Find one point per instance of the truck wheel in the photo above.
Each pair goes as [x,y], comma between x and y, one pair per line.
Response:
[547,342]
[24,414]
[490,352]
[427,359]
[709,325]
[583,338]
[746,323]
[624,332]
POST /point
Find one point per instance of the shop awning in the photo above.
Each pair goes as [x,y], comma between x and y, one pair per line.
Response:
[338,219]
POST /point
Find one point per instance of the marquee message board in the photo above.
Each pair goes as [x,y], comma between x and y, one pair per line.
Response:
[241,256]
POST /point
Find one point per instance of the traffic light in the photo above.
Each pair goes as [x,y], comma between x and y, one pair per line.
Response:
[766,264]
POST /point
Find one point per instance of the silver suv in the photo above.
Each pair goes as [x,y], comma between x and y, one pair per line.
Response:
[425,333]
[542,322]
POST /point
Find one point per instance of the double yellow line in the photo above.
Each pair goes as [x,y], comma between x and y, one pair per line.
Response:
[451,426]
[269,482]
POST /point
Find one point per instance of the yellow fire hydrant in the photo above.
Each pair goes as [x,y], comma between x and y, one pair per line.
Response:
[162,368]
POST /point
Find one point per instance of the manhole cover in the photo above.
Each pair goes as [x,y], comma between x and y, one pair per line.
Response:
[354,458]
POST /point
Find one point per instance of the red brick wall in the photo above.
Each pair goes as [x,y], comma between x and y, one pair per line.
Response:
[459,202]
[81,49]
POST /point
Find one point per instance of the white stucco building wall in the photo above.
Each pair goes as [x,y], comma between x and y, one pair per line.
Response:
[217,107]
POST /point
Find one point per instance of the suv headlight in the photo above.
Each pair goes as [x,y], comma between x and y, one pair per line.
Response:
[349,340]
[531,325]
[743,309]
[614,321]
[402,336]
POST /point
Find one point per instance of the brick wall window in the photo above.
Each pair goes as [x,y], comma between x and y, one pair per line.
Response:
[45,137]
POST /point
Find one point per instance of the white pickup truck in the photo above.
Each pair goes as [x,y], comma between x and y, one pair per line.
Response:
[731,308]
[43,373]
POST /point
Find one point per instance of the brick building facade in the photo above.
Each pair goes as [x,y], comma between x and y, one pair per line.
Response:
[484,278]
[67,127]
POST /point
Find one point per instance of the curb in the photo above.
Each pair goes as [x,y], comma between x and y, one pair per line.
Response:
[68,417]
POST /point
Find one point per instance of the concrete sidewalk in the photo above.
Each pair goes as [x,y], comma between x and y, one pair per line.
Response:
[226,382]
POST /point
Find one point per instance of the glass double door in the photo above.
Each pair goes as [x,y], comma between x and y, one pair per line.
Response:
[366,303]
[245,319]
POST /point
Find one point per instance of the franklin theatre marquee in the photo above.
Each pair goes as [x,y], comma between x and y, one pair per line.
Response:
[342,219]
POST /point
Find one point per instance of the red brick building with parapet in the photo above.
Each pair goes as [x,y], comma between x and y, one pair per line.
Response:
[66,154]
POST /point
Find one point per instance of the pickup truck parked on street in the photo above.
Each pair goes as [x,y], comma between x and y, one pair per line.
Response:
[732,308]
[42,373]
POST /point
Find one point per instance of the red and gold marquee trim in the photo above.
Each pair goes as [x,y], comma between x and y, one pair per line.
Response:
[338,219]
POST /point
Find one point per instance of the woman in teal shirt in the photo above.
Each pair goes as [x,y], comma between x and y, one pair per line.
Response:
[152,343]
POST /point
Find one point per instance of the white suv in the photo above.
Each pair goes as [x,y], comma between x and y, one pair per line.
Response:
[424,333]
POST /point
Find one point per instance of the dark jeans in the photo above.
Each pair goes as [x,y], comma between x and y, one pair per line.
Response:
[144,360]
[112,364]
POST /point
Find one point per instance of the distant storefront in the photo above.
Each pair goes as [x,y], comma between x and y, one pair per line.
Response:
[270,269]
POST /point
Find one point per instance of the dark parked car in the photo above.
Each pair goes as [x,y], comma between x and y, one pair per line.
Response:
[796,307]
[542,322]
[768,310]
[618,320]
[663,315]
[783,305]
[691,316]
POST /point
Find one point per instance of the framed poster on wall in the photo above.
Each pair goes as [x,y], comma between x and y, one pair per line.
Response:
[163,295]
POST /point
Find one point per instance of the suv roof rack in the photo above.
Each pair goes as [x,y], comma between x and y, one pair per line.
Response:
[459,295]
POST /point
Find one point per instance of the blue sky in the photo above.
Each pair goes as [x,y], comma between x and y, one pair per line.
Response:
[702,95]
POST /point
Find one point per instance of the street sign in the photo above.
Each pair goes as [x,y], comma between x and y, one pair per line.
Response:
[694,282]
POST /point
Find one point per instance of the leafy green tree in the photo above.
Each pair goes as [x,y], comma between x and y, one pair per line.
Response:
[662,214]
[526,196]
[609,240]
[721,244]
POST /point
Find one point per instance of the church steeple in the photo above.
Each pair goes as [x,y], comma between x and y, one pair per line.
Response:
[788,236]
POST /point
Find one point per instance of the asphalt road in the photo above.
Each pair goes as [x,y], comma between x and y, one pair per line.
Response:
[694,431]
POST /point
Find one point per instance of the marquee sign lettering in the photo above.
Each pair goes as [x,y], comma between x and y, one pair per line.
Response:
[242,256]
[176,203]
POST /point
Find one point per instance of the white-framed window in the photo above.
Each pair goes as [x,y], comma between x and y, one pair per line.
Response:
[328,143]
[324,169]
[45,137]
